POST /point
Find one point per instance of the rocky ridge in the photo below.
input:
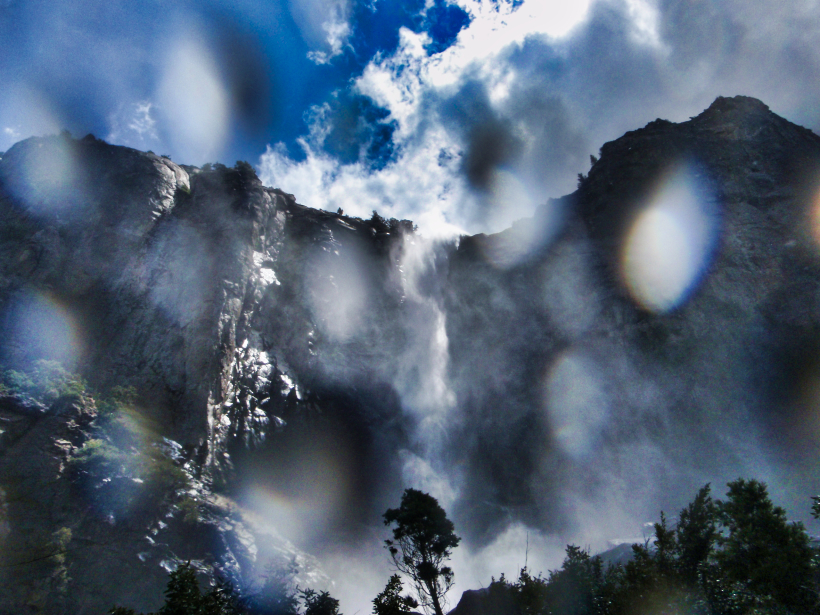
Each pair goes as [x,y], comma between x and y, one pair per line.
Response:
[270,343]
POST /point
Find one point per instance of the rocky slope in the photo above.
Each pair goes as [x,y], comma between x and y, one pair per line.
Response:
[574,365]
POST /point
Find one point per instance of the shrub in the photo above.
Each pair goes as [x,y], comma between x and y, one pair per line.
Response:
[59,543]
[319,603]
[118,399]
[46,382]
[391,602]
[98,458]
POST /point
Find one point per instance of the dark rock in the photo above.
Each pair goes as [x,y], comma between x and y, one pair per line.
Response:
[493,600]
[262,336]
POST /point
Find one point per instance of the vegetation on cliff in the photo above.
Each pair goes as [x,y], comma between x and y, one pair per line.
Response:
[738,556]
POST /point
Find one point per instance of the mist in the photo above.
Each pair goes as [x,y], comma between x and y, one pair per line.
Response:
[550,376]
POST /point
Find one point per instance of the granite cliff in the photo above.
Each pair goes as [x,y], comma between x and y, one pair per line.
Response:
[577,363]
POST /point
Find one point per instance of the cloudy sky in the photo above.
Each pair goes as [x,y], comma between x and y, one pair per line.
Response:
[459,114]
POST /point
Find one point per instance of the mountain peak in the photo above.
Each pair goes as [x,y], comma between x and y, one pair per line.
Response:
[736,104]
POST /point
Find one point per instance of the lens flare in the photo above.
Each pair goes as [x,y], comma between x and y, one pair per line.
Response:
[39,326]
[670,243]
[195,101]
[26,112]
[802,420]
[576,404]
[814,213]
[338,291]
[43,176]
[307,500]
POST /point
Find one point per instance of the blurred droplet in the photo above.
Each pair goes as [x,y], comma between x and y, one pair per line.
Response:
[576,404]
[38,326]
[194,100]
[528,228]
[815,217]
[670,243]
[25,112]
[305,487]
[43,176]
[338,290]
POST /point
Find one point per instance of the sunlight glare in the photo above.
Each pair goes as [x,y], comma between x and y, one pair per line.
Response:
[195,100]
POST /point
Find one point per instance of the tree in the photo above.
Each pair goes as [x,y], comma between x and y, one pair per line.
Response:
[696,533]
[423,539]
[391,602]
[762,552]
[319,603]
[573,590]
[182,595]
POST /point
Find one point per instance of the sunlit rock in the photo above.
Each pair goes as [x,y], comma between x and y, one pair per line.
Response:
[301,367]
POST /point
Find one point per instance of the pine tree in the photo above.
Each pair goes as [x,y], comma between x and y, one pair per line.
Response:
[762,552]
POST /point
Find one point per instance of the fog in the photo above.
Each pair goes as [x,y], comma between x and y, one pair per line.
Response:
[543,394]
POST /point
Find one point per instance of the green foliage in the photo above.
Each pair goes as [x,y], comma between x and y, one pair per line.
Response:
[184,597]
[277,596]
[761,551]
[529,592]
[319,603]
[99,458]
[246,170]
[736,557]
[391,602]
[575,587]
[123,466]
[116,402]
[59,543]
[162,473]
[45,383]
[695,535]
[815,507]
[392,226]
[423,539]
[189,508]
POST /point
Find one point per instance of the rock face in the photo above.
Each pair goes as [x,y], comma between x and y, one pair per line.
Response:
[576,364]
[671,311]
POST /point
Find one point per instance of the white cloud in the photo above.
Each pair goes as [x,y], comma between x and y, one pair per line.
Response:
[134,125]
[425,182]
[325,26]
[558,80]
[418,184]
[142,123]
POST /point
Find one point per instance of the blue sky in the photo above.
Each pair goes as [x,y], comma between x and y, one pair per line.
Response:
[462,115]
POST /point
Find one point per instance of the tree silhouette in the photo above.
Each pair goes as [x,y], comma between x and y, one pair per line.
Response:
[423,539]
[319,603]
[391,602]
[762,551]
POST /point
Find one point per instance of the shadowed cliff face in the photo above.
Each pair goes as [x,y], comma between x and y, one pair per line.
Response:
[655,330]
[661,337]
